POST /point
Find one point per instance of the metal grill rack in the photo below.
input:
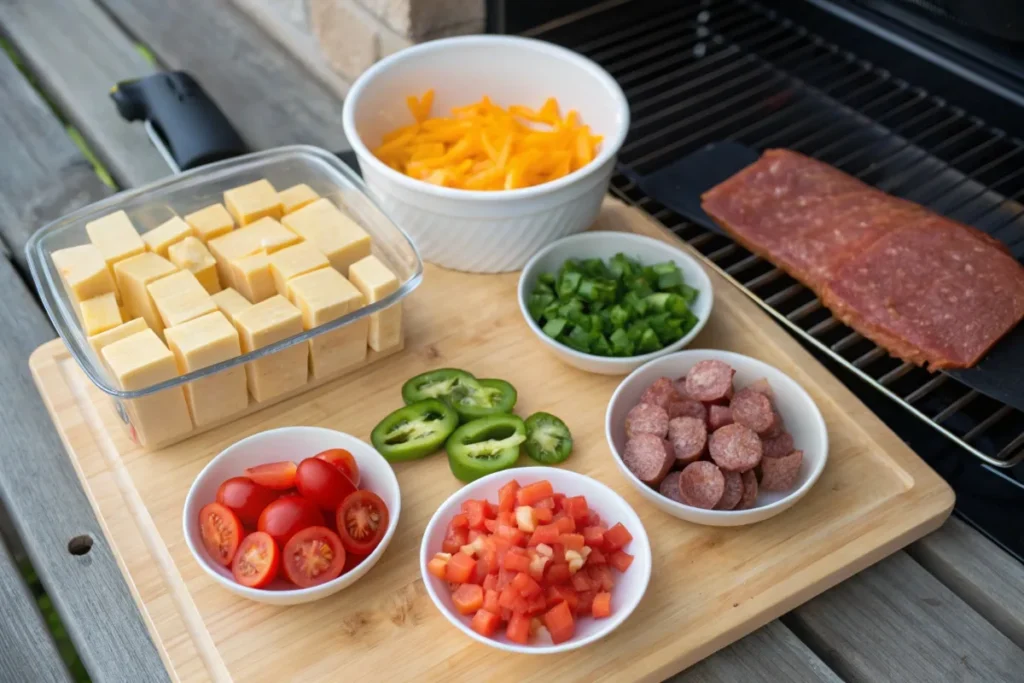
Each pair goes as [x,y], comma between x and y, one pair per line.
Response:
[735,70]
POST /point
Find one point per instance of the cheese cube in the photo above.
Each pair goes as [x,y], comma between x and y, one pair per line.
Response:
[231,303]
[84,272]
[296,197]
[140,361]
[251,202]
[212,221]
[198,344]
[265,235]
[115,237]
[263,324]
[293,261]
[118,333]
[336,235]
[192,255]
[133,275]
[179,298]
[160,238]
[253,277]
[100,314]
[375,281]
[322,296]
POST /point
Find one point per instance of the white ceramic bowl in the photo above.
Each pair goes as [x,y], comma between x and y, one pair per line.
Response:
[802,417]
[629,586]
[485,231]
[605,244]
[288,443]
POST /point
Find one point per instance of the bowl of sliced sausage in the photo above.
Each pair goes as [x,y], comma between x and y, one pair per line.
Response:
[715,437]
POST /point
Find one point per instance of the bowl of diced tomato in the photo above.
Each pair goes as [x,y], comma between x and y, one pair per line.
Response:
[291,515]
[536,560]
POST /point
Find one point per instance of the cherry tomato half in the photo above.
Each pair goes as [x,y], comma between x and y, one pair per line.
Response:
[221,532]
[274,475]
[362,522]
[286,516]
[344,461]
[322,483]
[313,556]
[245,498]
[257,561]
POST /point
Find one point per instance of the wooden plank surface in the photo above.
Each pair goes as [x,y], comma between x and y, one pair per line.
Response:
[840,527]
[77,53]
[768,655]
[42,174]
[979,572]
[269,97]
[27,651]
[897,622]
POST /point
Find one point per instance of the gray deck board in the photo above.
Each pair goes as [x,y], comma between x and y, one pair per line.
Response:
[38,484]
[27,651]
[269,97]
[42,173]
[77,75]
[982,574]
[769,655]
[896,622]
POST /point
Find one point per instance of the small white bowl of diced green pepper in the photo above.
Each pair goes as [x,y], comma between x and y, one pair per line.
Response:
[608,302]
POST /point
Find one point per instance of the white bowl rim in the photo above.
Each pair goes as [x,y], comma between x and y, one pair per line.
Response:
[260,594]
[609,147]
[819,422]
[612,622]
[643,359]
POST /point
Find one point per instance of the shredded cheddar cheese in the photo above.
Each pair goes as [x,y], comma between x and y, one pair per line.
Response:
[483,146]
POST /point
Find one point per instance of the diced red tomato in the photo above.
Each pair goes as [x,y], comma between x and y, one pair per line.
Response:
[543,515]
[518,630]
[559,499]
[571,541]
[454,539]
[438,564]
[560,623]
[468,598]
[460,568]
[512,534]
[558,572]
[594,519]
[593,536]
[486,622]
[546,504]
[556,594]
[490,582]
[507,518]
[576,507]
[536,605]
[460,521]
[617,537]
[505,578]
[491,601]
[602,605]
[490,525]
[507,496]
[520,605]
[585,604]
[476,512]
[526,585]
[531,493]
[557,552]
[620,560]
[507,597]
[581,582]
[596,557]
[516,561]
[545,533]
[565,525]
[601,577]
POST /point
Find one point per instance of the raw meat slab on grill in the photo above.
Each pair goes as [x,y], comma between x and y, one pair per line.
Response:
[930,292]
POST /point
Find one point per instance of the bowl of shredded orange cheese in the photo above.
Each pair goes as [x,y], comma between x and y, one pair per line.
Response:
[486,148]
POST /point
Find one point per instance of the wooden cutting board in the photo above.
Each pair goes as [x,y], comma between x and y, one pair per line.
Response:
[710,586]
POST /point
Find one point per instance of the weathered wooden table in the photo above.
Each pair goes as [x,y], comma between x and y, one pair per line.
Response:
[949,608]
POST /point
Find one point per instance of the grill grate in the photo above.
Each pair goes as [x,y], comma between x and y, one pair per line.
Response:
[735,70]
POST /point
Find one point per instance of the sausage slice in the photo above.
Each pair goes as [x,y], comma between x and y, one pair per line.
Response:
[649,458]
[749,491]
[701,484]
[777,446]
[779,474]
[710,381]
[687,407]
[646,418]
[718,417]
[669,486]
[689,438]
[735,448]
[661,393]
[754,410]
[733,491]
